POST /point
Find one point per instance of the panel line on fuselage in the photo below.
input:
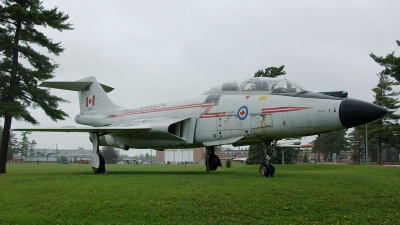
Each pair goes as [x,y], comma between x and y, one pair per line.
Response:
[282,109]
[205,114]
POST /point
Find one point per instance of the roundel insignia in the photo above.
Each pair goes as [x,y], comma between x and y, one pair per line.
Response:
[242,112]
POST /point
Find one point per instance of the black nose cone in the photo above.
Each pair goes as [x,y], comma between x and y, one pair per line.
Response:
[353,112]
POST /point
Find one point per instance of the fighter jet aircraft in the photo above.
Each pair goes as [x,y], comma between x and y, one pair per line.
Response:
[255,110]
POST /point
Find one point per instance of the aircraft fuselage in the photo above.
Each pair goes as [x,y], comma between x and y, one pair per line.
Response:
[221,119]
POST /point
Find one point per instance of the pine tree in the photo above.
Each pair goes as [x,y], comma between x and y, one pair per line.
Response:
[386,129]
[24,145]
[317,149]
[356,139]
[390,62]
[12,146]
[32,145]
[109,154]
[256,154]
[19,41]
[271,72]
[340,143]
[288,153]
[329,143]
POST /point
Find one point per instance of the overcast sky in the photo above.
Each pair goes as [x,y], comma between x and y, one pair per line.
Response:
[152,51]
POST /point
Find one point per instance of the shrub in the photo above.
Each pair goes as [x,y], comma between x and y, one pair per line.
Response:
[228,163]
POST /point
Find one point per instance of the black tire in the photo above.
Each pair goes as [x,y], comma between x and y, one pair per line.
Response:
[102,166]
[272,169]
[214,162]
[218,161]
[264,169]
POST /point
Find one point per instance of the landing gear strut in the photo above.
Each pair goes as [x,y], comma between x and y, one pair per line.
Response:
[98,163]
[212,161]
[268,169]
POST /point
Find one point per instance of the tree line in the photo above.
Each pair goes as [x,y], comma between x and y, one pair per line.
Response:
[22,146]
[25,148]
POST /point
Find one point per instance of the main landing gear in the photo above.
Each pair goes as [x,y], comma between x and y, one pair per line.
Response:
[267,169]
[212,161]
[98,163]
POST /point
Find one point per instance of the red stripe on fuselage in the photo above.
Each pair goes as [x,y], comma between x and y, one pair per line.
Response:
[281,109]
[205,114]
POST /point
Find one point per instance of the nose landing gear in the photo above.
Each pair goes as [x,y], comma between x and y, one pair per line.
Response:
[212,160]
[266,168]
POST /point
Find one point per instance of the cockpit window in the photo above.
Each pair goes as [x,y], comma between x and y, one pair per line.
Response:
[230,86]
[286,87]
[256,84]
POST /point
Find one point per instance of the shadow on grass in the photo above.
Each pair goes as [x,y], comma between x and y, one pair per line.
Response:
[282,171]
[144,173]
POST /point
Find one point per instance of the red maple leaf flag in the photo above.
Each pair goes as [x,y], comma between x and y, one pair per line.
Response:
[90,101]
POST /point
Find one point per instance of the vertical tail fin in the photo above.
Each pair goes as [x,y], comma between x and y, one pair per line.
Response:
[94,97]
[92,94]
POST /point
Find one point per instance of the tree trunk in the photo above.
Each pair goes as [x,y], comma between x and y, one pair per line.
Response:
[7,117]
[379,153]
[4,143]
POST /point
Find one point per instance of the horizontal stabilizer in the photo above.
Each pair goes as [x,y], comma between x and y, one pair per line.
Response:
[72,85]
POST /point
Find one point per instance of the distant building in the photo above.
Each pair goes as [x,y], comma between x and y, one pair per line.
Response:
[231,153]
[51,155]
[390,154]
[344,156]
[180,155]
[197,154]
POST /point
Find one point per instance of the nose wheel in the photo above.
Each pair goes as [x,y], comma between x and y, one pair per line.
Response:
[267,169]
[212,160]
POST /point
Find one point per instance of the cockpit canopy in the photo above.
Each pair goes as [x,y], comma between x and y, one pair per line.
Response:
[258,84]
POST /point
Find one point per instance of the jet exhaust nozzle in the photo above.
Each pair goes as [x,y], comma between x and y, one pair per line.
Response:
[353,112]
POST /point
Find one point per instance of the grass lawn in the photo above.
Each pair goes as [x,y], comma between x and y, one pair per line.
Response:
[169,194]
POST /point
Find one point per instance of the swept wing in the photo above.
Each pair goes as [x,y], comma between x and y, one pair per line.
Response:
[164,128]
